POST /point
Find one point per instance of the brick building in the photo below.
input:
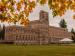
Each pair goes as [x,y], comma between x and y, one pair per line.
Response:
[37,32]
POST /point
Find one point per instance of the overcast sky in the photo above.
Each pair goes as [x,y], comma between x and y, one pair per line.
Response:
[53,21]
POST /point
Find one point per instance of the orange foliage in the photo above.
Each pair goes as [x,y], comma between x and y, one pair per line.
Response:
[73,16]
[24,22]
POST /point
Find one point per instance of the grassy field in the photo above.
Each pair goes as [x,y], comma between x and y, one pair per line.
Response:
[53,50]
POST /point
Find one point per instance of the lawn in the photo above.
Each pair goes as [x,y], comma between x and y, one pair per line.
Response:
[37,50]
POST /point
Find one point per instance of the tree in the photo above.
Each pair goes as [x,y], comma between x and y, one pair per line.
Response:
[72,31]
[59,7]
[73,34]
[13,11]
[63,24]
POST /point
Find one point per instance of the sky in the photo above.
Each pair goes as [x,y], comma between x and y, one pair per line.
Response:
[54,21]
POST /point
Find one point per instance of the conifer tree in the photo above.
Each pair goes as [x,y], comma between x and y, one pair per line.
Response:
[73,34]
[63,24]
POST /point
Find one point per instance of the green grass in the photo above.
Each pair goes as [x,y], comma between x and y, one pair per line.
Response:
[38,50]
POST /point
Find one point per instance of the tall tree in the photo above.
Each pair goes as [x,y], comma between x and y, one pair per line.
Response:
[63,24]
[73,34]
[72,31]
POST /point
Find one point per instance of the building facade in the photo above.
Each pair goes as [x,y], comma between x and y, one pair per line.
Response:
[37,32]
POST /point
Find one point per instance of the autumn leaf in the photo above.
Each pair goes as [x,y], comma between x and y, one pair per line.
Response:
[24,22]
[43,2]
[73,16]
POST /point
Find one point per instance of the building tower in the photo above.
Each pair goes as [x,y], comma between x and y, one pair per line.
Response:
[44,17]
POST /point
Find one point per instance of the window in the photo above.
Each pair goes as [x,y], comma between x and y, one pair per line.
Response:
[23,37]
